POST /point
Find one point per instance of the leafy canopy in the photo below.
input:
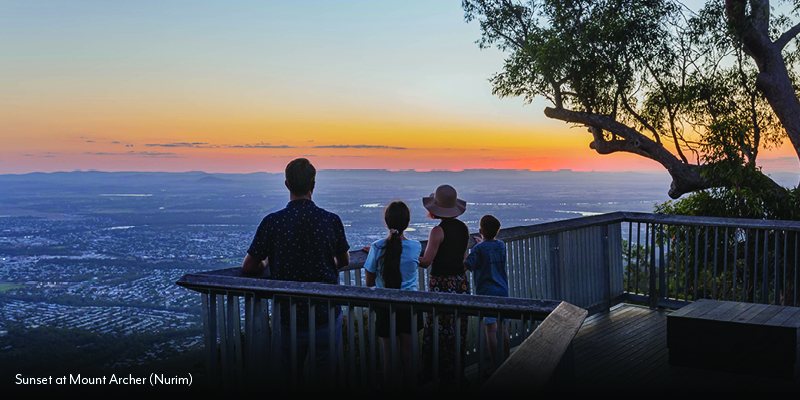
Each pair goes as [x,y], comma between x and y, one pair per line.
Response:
[649,77]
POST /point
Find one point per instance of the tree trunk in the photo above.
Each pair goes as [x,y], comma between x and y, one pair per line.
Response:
[773,77]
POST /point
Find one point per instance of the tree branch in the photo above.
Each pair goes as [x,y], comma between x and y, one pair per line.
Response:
[639,117]
[685,177]
[787,36]
[671,112]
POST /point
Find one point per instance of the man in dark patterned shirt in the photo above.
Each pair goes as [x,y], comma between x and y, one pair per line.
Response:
[302,243]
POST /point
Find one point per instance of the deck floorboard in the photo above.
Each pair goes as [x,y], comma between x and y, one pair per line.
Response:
[627,347]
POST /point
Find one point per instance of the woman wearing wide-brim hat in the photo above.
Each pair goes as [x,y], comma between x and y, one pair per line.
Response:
[447,246]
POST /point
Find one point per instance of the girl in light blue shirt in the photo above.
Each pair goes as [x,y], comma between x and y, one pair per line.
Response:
[392,263]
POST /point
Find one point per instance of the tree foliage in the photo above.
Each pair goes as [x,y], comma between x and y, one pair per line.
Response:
[698,92]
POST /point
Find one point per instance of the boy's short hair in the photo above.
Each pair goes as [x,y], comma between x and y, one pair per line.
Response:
[300,175]
[489,226]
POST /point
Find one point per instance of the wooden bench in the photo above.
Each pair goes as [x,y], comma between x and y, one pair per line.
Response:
[544,360]
[748,338]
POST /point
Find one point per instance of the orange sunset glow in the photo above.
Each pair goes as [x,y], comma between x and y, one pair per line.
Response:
[245,87]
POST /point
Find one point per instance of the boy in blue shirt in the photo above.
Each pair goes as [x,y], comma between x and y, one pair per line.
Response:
[488,262]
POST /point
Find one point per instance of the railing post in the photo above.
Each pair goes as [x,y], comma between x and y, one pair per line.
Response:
[606,265]
[236,333]
[312,342]
[458,370]
[275,363]
[414,346]
[481,340]
[265,335]
[662,265]
[374,348]
[224,341]
[210,335]
[652,292]
[250,342]
[555,266]
[435,357]
[293,378]
[765,279]
[351,339]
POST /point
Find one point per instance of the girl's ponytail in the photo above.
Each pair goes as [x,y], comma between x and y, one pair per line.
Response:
[397,217]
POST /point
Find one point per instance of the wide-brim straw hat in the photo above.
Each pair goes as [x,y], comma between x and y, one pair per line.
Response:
[445,202]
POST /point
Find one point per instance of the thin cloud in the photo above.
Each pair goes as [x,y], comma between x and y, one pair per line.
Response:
[134,153]
[358,146]
[260,146]
[516,159]
[179,144]
[44,154]
[789,163]
[204,145]
[779,159]
[152,154]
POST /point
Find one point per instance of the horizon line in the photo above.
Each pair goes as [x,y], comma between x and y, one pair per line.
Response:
[343,169]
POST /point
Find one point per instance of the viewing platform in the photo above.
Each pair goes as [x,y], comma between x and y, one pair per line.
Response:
[626,349]
[602,263]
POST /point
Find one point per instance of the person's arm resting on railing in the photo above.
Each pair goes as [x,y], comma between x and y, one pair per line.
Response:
[342,260]
[252,265]
[369,265]
[370,279]
[434,240]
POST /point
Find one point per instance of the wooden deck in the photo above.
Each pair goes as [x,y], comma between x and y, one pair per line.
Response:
[626,349]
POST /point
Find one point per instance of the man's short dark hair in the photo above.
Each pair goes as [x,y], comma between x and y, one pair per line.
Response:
[300,176]
[489,226]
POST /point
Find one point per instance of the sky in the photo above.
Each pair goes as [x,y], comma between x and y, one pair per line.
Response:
[246,86]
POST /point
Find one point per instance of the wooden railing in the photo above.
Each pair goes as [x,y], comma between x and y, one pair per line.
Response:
[673,260]
[592,262]
[241,316]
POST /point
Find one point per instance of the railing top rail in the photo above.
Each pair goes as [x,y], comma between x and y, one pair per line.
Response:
[547,228]
[711,221]
[357,257]
[232,281]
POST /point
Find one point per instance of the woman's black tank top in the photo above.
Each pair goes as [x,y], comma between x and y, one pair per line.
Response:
[449,258]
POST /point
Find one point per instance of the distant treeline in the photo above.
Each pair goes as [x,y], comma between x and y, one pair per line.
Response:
[134,265]
[76,301]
